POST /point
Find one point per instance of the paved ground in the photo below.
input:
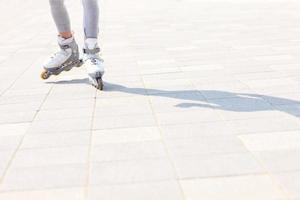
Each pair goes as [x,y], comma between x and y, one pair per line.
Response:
[202,101]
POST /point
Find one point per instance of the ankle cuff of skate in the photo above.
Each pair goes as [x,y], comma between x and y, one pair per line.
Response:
[91,51]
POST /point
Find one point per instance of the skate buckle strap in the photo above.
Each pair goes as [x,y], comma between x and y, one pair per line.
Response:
[64,47]
[91,51]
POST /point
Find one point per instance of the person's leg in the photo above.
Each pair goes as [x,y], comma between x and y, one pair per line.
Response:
[61,18]
[68,55]
[93,61]
[91,18]
[90,27]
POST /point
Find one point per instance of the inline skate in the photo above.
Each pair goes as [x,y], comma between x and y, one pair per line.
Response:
[64,60]
[93,62]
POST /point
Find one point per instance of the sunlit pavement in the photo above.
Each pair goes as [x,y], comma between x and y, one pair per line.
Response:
[201,101]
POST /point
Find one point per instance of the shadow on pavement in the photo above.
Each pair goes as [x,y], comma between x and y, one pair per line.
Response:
[230,101]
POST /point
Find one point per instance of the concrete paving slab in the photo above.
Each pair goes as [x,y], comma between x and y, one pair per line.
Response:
[201,101]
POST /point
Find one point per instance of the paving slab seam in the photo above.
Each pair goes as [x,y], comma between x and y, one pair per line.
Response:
[164,142]
[268,172]
[2,177]
[225,176]
[10,55]
[89,156]
[41,189]
[280,187]
[54,147]
[21,74]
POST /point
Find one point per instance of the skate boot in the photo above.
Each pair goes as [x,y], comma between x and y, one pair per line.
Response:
[64,60]
[93,62]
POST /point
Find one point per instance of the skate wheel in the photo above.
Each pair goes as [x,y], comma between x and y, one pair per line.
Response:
[80,63]
[99,84]
[45,75]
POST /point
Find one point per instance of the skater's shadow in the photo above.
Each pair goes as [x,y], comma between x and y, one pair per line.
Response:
[73,81]
[216,99]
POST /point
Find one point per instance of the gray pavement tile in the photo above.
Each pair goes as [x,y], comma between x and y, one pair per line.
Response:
[261,75]
[58,194]
[225,89]
[176,106]
[68,104]
[44,177]
[22,60]
[139,109]
[211,80]
[59,125]
[124,121]
[167,190]
[165,69]
[156,62]
[125,135]
[280,160]
[169,87]
[13,129]
[253,84]
[150,78]
[215,165]
[187,117]
[286,140]
[5,156]
[17,99]
[274,90]
[28,91]
[241,103]
[205,80]
[290,181]
[221,89]
[177,101]
[20,107]
[123,79]
[69,113]
[68,91]
[128,151]
[50,156]
[273,58]
[2,170]
[54,140]
[122,101]
[125,172]
[17,117]
[129,89]
[33,85]
[284,66]
[204,145]
[211,67]
[195,130]
[70,95]
[254,187]
[10,142]
[64,85]
[251,114]
[118,72]
[258,125]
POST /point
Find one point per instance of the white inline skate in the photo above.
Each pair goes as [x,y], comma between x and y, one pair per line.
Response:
[64,60]
[93,62]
